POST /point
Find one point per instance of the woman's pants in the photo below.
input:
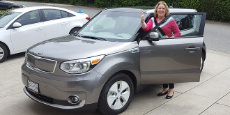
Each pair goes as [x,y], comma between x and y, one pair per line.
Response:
[171,85]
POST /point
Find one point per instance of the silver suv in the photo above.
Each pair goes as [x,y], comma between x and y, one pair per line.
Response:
[104,64]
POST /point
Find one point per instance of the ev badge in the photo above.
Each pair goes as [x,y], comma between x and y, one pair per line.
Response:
[134,50]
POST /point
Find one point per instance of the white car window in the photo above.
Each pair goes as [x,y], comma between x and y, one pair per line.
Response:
[64,14]
[52,14]
[29,18]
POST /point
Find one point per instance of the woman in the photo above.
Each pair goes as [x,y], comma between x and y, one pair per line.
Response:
[161,11]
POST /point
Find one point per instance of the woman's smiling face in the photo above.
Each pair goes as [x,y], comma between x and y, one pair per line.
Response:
[161,10]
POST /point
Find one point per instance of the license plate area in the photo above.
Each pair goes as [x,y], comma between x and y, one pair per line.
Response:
[32,86]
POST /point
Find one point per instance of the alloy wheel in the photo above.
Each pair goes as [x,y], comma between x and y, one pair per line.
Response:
[1,53]
[118,95]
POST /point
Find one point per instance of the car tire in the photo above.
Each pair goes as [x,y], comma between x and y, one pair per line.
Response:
[116,94]
[74,30]
[3,52]
[202,62]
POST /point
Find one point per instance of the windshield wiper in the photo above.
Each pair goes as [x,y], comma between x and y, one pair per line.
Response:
[92,37]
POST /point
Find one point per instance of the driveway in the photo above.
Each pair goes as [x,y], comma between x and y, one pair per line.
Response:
[209,96]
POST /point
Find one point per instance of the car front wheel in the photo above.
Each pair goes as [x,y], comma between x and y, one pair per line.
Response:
[3,53]
[116,94]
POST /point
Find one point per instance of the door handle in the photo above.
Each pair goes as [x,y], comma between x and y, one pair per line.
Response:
[192,49]
[38,29]
[64,23]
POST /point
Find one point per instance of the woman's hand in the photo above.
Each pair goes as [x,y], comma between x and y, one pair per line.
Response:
[142,17]
[165,36]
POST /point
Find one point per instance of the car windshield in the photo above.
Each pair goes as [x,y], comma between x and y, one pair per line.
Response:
[7,17]
[112,26]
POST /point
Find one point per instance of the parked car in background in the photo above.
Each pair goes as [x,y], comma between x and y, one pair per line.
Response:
[5,5]
[110,57]
[24,27]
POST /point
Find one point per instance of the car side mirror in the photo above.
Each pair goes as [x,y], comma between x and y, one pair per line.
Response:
[16,25]
[153,36]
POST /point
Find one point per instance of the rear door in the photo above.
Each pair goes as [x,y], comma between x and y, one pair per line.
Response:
[55,24]
[174,60]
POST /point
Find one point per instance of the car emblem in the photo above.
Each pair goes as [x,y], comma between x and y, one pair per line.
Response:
[134,50]
[40,53]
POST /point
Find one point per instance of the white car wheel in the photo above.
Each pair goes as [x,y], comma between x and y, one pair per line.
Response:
[116,94]
[3,53]
[74,31]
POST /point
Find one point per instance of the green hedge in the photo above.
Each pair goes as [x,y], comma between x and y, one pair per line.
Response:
[216,9]
[4,11]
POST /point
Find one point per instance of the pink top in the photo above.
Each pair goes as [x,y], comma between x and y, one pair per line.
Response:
[169,28]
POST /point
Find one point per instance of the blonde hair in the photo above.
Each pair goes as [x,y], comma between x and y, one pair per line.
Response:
[166,9]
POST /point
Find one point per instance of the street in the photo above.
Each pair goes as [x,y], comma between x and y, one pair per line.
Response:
[210,96]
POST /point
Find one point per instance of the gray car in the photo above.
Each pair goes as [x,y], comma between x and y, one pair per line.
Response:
[110,57]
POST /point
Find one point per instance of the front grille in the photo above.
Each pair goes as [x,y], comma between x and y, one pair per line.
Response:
[41,97]
[42,64]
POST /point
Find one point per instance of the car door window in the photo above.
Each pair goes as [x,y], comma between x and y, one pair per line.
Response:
[52,14]
[64,14]
[29,18]
[71,15]
[188,24]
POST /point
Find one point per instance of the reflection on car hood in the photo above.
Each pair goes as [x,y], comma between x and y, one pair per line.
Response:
[70,47]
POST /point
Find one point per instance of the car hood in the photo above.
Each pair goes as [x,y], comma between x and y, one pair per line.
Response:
[70,47]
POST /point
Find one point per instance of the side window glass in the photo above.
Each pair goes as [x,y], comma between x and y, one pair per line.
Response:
[52,14]
[29,18]
[64,14]
[71,15]
[180,25]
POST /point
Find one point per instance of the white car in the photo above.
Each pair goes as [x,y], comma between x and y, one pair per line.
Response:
[24,27]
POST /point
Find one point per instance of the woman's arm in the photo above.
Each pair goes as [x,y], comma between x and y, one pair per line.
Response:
[175,29]
[148,26]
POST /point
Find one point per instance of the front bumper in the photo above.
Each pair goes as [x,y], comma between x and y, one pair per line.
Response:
[55,90]
[43,99]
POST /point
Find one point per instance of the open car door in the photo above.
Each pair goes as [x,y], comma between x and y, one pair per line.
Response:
[177,59]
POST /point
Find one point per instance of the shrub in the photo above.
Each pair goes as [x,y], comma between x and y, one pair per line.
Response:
[216,9]
[4,11]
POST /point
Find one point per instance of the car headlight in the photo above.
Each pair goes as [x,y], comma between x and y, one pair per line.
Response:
[81,65]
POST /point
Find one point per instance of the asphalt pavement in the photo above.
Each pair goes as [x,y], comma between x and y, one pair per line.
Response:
[210,96]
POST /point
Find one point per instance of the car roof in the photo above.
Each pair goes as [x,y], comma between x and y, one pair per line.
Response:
[26,9]
[148,10]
